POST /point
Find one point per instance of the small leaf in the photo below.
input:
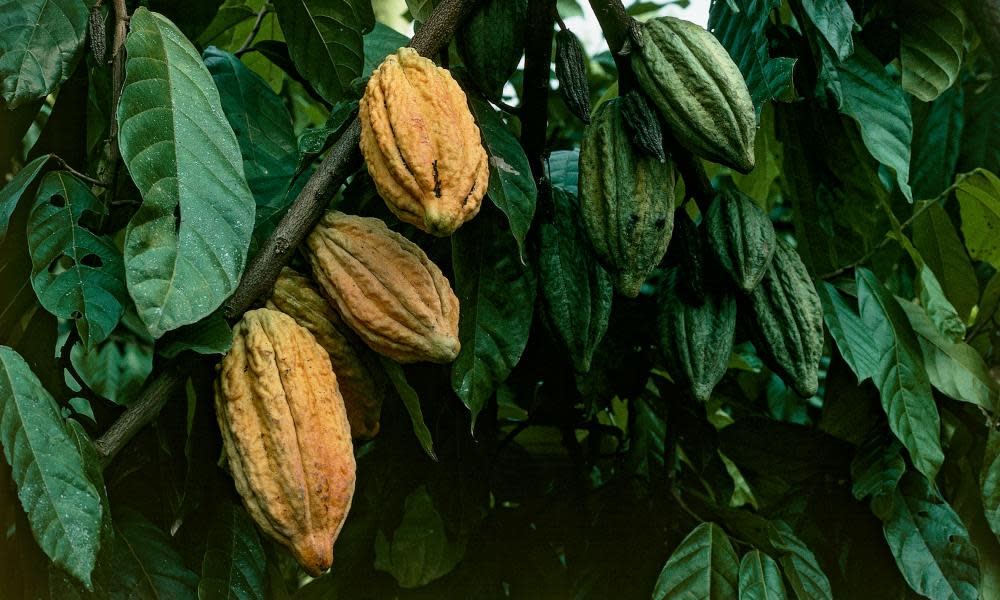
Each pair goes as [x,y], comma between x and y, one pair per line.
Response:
[760,578]
[234,564]
[932,39]
[411,401]
[704,565]
[942,250]
[978,196]
[939,309]
[11,193]
[849,332]
[115,369]
[564,170]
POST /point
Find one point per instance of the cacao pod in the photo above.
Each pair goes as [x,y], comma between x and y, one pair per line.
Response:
[697,338]
[576,291]
[741,236]
[286,435]
[787,324]
[571,70]
[698,90]
[385,288]
[644,124]
[362,385]
[691,268]
[627,200]
[421,144]
[491,43]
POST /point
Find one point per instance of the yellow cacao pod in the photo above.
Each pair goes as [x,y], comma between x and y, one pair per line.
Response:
[421,144]
[385,288]
[361,385]
[286,435]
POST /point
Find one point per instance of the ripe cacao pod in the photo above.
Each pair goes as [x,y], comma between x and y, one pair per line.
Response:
[627,200]
[286,435]
[362,385]
[491,43]
[741,236]
[421,144]
[385,288]
[698,90]
[697,338]
[571,70]
[644,124]
[787,323]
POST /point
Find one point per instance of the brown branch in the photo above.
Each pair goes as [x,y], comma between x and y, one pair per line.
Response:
[117,73]
[77,174]
[535,92]
[297,222]
[253,31]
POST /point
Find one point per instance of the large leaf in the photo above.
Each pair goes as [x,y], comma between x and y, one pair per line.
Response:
[10,194]
[849,332]
[704,565]
[185,247]
[497,295]
[379,43]
[40,45]
[930,543]
[62,504]
[901,379]
[835,21]
[876,470]
[800,565]
[760,578]
[978,196]
[77,274]
[942,250]
[234,564]
[143,564]
[932,38]
[982,128]
[325,41]
[936,141]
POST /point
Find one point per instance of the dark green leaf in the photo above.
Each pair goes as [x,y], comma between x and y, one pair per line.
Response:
[379,43]
[982,129]
[876,470]
[800,565]
[564,170]
[942,250]
[234,563]
[943,315]
[411,401]
[11,193]
[978,196]
[936,140]
[853,338]
[989,481]
[760,578]
[932,40]
[704,565]
[211,335]
[835,20]
[144,564]
[116,369]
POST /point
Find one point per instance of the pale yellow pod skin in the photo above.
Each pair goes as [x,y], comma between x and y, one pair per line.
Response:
[286,435]
[362,389]
[385,288]
[421,144]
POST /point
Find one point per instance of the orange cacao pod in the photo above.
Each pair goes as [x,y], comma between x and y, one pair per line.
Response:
[286,435]
[361,383]
[421,144]
[385,288]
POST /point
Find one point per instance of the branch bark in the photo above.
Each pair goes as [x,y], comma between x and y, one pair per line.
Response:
[301,217]
[537,69]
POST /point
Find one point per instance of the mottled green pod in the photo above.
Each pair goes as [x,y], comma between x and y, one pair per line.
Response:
[691,269]
[571,70]
[626,199]
[698,90]
[491,43]
[643,122]
[741,236]
[787,323]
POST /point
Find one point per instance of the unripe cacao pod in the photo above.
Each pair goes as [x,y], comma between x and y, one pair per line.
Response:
[787,323]
[571,70]
[385,288]
[741,236]
[491,43]
[286,436]
[697,338]
[691,268]
[421,144]
[698,90]
[362,385]
[644,124]
[627,200]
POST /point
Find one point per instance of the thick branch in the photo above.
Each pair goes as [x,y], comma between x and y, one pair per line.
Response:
[535,94]
[117,77]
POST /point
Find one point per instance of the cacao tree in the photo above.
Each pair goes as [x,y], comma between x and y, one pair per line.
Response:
[431,299]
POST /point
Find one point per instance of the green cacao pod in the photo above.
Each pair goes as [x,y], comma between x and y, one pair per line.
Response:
[576,291]
[571,69]
[787,323]
[643,122]
[698,90]
[491,43]
[627,200]
[697,338]
[691,271]
[741,236]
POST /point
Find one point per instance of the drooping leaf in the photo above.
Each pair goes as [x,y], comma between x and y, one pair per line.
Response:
[760,578]
[849,332]
[932,39]
[63,506]
[937,136]
[704,565]
[11,193]
[942,250]
[234,564]
[901,378]
[40,45]
[978,196]
[411,402]
[185,247]
[835,21]
[143,563]
[115,369]
[800,565]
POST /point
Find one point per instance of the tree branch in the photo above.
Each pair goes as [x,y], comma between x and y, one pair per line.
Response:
[253,31]
[260,274]
[535,92]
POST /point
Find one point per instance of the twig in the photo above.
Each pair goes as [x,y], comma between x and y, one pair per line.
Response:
[507,108]
[253,31]
[77,174]
[535,92]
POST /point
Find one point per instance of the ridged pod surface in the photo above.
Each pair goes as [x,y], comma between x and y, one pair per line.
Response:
[626,199]
[286,435]
[362,386]
[571,70]
[698,89]
[643,122]
[421,144]
[385,288]
[787,323]
[491,43]
[741,236]
[697,338]
[692,271]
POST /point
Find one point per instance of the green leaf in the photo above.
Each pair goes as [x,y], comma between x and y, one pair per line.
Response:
[569,8]
[564,170]
[989,481]
[379,43]
[942,250]
[144,564]
[497,295]
[76,273]
[221,28]
[835,21]
[184,158]
[116,369]
[932,43]
[325,41]
[936,142]
[760,578]
[411,401]
[800,565]
[234,566]
[901,379]
[10,194]
[849,332]
[63,506]
[421,9]
[978,196]
[93,469]
[212,335]
[930,543]
[512,187]
[939,309]
[876,470]
[982,128]
[40,46]
[704,565]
